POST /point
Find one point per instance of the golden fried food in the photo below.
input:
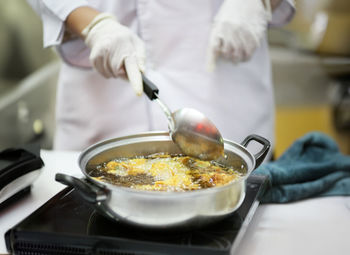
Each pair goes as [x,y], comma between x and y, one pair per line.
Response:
[163,172]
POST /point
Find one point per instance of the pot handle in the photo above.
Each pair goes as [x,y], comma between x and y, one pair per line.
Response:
[260,156]
[89,191]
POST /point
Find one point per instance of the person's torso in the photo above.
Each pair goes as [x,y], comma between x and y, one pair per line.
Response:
[237,98]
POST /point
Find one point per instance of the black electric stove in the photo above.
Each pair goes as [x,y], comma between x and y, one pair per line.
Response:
[67,225]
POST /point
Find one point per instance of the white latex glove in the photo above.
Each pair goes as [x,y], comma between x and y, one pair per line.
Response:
[115,49]
[237,31]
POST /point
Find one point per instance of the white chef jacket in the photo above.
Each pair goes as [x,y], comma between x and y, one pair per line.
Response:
[238,98]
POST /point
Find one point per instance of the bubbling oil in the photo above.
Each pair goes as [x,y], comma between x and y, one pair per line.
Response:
[164,172]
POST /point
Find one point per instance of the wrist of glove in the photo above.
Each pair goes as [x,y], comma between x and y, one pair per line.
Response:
[115,50]
[237,31]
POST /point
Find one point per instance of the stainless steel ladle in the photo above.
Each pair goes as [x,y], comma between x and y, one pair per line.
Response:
[194,133]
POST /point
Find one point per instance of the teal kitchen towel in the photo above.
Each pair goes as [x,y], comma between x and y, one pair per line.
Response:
[313,166]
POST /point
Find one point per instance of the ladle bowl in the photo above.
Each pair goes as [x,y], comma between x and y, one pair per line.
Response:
[196,135]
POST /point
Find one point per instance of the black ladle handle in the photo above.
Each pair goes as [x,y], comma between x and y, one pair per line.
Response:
[149,88]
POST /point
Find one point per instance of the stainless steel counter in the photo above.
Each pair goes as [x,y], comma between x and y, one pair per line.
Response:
[27,109]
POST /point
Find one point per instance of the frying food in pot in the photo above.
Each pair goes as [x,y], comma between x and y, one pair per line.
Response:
[163,172]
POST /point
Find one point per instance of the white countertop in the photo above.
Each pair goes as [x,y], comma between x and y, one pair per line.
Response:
[316,226]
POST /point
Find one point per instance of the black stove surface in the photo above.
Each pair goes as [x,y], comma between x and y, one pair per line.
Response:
[67,225]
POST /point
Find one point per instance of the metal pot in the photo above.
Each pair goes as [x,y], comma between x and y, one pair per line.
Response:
[156,209]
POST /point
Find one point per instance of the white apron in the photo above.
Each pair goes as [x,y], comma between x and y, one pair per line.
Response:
[237,98]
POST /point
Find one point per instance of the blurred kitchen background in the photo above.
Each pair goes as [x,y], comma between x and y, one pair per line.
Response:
[311,71]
